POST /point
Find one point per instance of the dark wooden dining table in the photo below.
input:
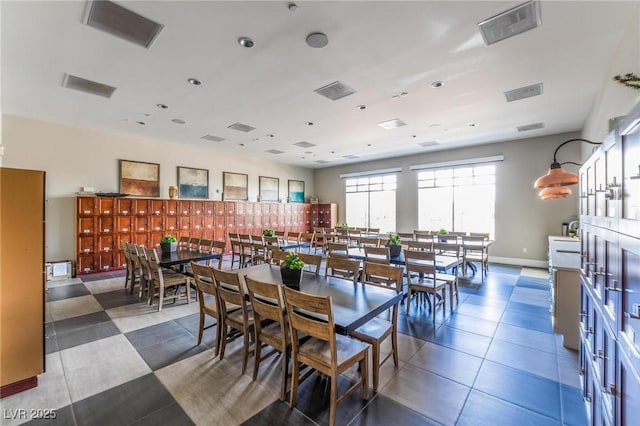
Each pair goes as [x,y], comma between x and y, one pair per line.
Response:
[353,304]
[182,257]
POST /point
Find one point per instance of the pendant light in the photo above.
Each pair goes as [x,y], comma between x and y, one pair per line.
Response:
[555,192]
[556,176]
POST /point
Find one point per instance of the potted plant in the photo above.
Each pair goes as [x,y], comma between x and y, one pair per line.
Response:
[291,270]
[442,231]
[269,232]
[344,226]
[394,243]
[168,243]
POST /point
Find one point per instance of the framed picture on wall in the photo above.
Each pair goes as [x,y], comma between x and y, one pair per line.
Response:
[139,178]
[269,188]
[193,183]
[296,191]
[235,186]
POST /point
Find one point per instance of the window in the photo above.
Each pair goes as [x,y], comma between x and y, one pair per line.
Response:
[457,199]
[371,202]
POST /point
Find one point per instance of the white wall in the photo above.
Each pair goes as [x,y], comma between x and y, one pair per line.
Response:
[522,219]
[74,157]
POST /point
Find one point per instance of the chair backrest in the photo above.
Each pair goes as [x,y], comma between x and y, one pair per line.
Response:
[183,242]
[205,245]
[369,242]
[311,260]
[244,238]
[337,249]
[217,247]
[343,268]
[475,245]
[421,262]
[382,275]
[266,301]
[293,236]
[373,231]
[447,249]
[271,241]
[458,233]
[446,238]
[280,233]
[377,255]
[194,243]
[155,271]
[235,245]
[310,315]
[479,234]
[277,256]
[422,235]
[229,288]
[405,236]
[420,245]
[205,283]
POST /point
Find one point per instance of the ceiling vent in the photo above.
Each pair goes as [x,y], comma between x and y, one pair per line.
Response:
[321,161]
[304,144]
[428,143]
[116,20]
[350,157]
[335,91]
[392,124]
[241,127]
[274,151]
[212,138]
[511,22]
[92,87]
[528,127]
[523,92]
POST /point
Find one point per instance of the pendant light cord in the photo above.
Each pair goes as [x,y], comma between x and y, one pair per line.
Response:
[572,140]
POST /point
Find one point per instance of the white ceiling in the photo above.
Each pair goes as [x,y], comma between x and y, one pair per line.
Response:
[381,49]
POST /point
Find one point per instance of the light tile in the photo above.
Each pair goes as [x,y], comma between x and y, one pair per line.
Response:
[136,316]
[408,346]
[429,394]
[62,283]
[94,367]
[527,337]
[76,306]
[569,372]
[105,286]
[180,310]
[535,273]
[449,363]
[523,358]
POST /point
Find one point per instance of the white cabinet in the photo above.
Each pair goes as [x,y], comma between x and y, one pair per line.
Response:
[564,264]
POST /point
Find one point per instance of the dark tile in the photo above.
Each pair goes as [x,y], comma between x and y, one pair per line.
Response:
[525,308]
[113,299]
[167,352]
[384,411]
[472,324]
[63,417]
[279,413]
[86,334]
[505,269]
[574,410]
[473,344]
[414,327]
[484,410]
[124,404]
[170,415]
[191,323]
[521,388]
[51,344]
[532,322]
[537,283]
[148,336]
[313,400]
[70,325]
[66,292]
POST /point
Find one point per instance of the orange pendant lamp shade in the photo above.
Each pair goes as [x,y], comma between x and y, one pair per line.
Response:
[556,177]
[555,192]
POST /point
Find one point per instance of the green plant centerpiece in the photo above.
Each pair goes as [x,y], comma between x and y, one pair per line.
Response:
[291,270]
[344,226]
[268,232]
[168,243]
[442,231]
[394,243]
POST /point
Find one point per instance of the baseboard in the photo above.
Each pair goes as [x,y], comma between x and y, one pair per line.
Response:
[18,386]
[543,264]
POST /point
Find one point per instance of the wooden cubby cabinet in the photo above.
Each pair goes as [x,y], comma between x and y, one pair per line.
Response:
[104,222]
[610,277]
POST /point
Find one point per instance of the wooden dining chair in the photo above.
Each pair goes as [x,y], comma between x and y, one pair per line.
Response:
[312,262]
[320,241]
[475,249]
[217,247]
[236,252]
[325,351]
[232,295]
[205,284]
[479,234]
[194,243]
[163,281]
[277,256]
[377,255]
[375,331]
[369,242]
[423,278]
[183,242]
[337,249]
[342,268]
[306,241]
[139,271]
[420,245]
[421,235]
[268,307]
[132,273]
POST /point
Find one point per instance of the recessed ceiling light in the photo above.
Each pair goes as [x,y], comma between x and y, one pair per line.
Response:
[437,84]
[333,152]
[317,40]
[413,136]
[309,123]
[270,135]
[256,139]
[162,106]
[404,94]
[194,81]
[472,124]
[245,42]
[292,7]
[361,107]
[178,121]
[368,144]
[241,144]
[146,114]
[142,123]
[392,124]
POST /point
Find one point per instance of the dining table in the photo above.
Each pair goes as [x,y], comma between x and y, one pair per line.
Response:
[183,256]
[353,304]
[443,262]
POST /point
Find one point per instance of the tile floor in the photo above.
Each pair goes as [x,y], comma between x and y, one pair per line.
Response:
[112,360]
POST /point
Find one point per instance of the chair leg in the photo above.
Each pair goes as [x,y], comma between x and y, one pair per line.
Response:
[223,339]
[364,371]
[245,356]
[294,382]
[394,343]
[334,399]
[218,337]
[285,368]
[257,352]
[375,366]
[408,302]
[201,327]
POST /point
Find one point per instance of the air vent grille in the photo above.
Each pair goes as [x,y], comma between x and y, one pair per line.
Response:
[212,138]
[88,86]
[116,20]
[392,124]
[511,22]
[304,144]
[241,127]
[528,127]
[335,91]
[428,143]
[523,92]
[274,151]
